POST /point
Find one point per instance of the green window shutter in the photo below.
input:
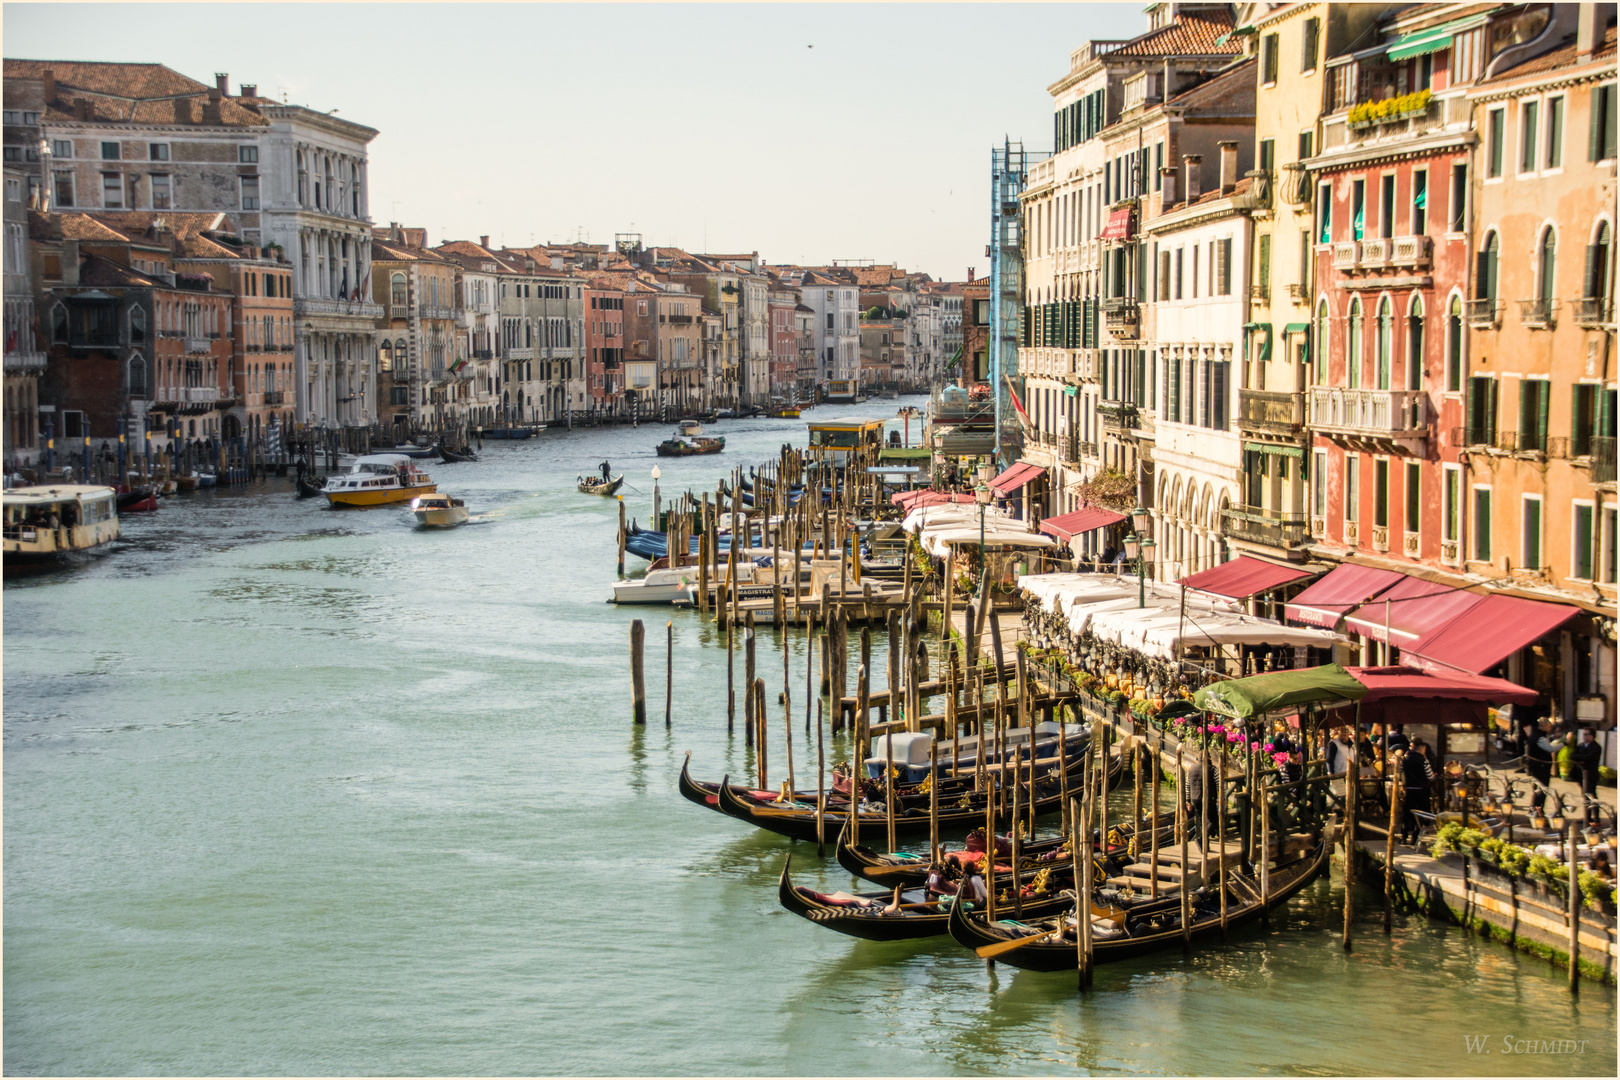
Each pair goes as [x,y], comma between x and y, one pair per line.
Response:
[1265,259]
[1594,124]
[1532,533]
[1526,420]
[1493,402]
[1589,277]
[1472,411]
[1605,419]
[1543,400]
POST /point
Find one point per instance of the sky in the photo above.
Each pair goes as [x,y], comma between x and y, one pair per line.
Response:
[805,132]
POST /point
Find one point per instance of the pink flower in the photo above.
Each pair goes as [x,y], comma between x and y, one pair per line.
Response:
[1234,736]
[1279,759]
[1254,747]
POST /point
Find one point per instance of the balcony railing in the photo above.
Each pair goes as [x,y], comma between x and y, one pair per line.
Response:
[361,308]
[198,393]
[1592,311]
[198,345]
[1483,314]
[1538,314]
[1379,414]
[1603,459]
[1261,292]
[1088,449]
[1374,253]
[1119,415]
[275,397]
[1273,528]
[483,354]
[1298,292]
[399,311]
[1346,254]
[1409,251]
[1276,411]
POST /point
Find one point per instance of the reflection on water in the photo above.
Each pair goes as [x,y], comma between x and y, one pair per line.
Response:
[294,791]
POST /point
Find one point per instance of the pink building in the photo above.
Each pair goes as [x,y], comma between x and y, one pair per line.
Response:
[604,344]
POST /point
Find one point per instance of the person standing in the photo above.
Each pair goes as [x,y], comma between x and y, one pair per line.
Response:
[1417,779]
[1538,762]
[1588,757]
[1397,738]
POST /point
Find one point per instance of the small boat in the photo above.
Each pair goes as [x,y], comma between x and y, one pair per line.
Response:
[187,483]
[45,525]
[689,429]
[438,511]
[659,587]
[527,431]
[591,485]
[782,412]
[378,479]
[207,479]
[464,454]
[309,488]
[137,500]
[1147,927]
[683,447]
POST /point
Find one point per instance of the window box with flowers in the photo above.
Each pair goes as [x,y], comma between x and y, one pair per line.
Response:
[1392,110]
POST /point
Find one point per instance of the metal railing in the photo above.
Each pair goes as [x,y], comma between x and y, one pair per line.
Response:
[1538,313]
[198,345]
[1120,415]
[1261,292]
[1482,313]
[1591,311]
[1274,528]
[1602,452]
[1271,410]
[275,397]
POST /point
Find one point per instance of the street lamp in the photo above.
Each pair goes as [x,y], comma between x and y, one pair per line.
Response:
[656,473]
[982,495]
[1139,549]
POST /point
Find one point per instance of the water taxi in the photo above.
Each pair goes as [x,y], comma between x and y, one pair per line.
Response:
[438,511]
[379,479]
[45,524]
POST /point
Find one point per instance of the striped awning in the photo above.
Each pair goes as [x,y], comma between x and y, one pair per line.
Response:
[1422,42]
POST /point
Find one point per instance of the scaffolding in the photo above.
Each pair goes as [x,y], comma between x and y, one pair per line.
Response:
[1009,168]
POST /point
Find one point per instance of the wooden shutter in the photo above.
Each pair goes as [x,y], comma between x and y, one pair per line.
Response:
[1543,401]
[1594,125]
[1589,278]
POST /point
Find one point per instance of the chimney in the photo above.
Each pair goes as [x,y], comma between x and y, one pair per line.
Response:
[182,110]
[1192,162]
[483,241]
[250,89]
[1168,176]
[49,79]
[1588,31]
[210,111]
[1228,165]
[222,81]
[81,108]
[970,275]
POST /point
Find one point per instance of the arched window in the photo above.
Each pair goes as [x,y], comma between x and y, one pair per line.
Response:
[396,290]
[1414,344]
[1489,261]
[137,327]
[1454,346]
[385,357]
[1596,285]
[1386,321]
[1322,343]
[1546,258]
[1352,357]
[137,377]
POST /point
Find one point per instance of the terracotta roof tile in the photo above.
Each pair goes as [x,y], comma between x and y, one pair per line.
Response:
[1187,35]
[1562,57]
[98,271]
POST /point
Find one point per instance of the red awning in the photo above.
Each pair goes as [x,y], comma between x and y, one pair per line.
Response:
[1079,522]
[1383,683]
[1119,225]
[1414,608]
[1340,590]
[1243,577]
[1016,477]
[1492,629]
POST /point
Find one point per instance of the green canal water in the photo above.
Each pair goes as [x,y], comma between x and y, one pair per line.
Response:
[295,791]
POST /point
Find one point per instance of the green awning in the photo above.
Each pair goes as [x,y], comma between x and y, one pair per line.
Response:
[1422,42]
[903,453]
[1070,391]
[1275,448]
[1296,328]
[1261,694]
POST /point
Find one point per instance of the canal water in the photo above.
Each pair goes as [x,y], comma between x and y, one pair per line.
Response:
[296,791]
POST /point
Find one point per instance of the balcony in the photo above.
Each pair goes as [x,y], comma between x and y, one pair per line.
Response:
[360,308]
[275,397]
[1383,415]
[1272,528]
[1121,316]
[399,311]
[1275,411]
[1346,255]
[438,313]
[1118,415]
[678,320]
[1374,254]
[1538,314]
[1088,449]
[1298,293]
[198,394]
[1409,251]
[199,345]
[483,354]
[1483,314]
[1603,459]
[1261,292]
[1592,311]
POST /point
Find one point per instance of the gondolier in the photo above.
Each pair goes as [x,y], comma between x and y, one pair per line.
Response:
[607,472]
[1417,778]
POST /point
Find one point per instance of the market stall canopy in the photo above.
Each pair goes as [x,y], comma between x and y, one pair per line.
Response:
[927,497]
[1408,682]
[1414,608]
[1166,631]
[1491,630]
[938,542]
[940,515]
[1016,477]
[1259,694]
[1243,577]
[1342,589]
[1079,522]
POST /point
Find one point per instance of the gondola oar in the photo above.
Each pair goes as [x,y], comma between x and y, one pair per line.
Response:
[988,952]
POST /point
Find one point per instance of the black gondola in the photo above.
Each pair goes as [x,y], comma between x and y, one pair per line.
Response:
[309,489]
[1147,928]
[464,454]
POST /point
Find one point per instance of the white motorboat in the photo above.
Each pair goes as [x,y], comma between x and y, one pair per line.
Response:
[438,511]
[677,585]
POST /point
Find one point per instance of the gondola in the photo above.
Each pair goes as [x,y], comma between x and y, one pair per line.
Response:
[705,793]
[869,915]
[1147,927]
[590,485]
[798,821]
[904,868]
[464,454]
[138,501]
[309,489]
[681,447]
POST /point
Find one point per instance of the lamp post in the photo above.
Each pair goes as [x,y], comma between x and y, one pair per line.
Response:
[1139,549]
[656,473]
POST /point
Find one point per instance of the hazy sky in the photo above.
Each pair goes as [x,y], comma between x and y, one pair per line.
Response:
[710,127]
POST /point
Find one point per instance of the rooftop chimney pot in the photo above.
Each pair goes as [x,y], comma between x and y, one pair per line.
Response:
[1168,177]
[483,241]
[222,80]
[1229,151]
[49,79]
[249,90]
[1192,161]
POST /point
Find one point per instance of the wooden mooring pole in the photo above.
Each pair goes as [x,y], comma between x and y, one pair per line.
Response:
[638,681]
[669,670]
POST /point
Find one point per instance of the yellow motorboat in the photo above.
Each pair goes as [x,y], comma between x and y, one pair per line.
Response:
[377,480]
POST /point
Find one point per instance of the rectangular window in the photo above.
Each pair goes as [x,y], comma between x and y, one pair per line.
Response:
[1381,493]
[247,155]
[1268,58]
[1496,140]
[1601,131]
[1158,164]
[1358,209]
[1319,492]
[64,189]
[1223,267]
[1531,551]
[1324,213]
[1458,205]
[1420,202]
[1179,253]
[1414,495]
[112,190]
[1308,48]
[1529,113]
[1352,487]
[1386,206]
[1268,155]
[1164,275]
[1607,544]
[1554,157]
[62,148]
[1533,405]
[1481,410]
[1583,419]
[1583,543]
[1482,524]
[157,151]
[1305,141]
[1451,508]
[160,192]
[110,151]
[250,192]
